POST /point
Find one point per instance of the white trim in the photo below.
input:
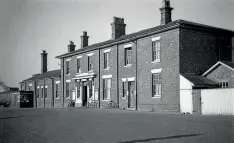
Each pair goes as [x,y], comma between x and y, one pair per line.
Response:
[30,84]
[107,50]
[156,70]
[38,87]
[124,79]
[79,57]
[128,65]
[105,99]
[84,80]
[90,54]
[107,76]
[131,79]
[41,86]
[128,46]
[156,38]
[46,86]
[155,61]
[68,59]
[68,80]
[156,97]
[57,82]
[219,62]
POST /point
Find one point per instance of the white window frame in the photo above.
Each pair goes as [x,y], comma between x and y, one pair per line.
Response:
[46,87]
[90,56]
[68,82]
[108,98]
[156,71]
[126,56]
[57,83]
[77,65]
[107,60]
[68,67]
[156,47]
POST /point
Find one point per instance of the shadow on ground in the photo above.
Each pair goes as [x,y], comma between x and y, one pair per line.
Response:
[161,138]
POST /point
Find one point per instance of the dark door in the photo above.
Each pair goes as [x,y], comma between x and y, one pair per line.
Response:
[131,95]
[84,99]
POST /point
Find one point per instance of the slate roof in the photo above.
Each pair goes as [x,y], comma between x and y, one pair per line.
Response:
[200,81]
[143,33]
[49,74]
[228,64]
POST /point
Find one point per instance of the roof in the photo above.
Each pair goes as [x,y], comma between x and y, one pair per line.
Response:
[199,81]
[49,74]
[227,64]
[144,33]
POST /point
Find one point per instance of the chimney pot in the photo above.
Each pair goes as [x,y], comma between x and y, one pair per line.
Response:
[71,47]
[165,12]
[43,61]
[118,27]
[84,39]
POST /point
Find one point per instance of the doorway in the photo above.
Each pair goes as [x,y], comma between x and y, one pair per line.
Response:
[131,95]
[84,94]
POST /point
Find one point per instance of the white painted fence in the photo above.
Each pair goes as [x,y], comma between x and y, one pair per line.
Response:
[217,101]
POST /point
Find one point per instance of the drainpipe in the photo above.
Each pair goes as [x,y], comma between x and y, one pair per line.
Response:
[99,85]
[136,77]
[118,75]
[52,105]
[44,92]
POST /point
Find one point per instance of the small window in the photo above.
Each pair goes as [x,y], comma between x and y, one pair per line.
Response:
[78,89]
[156,51]
[57,90]
[156,85]
[128,54]
[89,63]
[124,89]
[45,92]
[38,95]
[67,67]
[106,60]
[78,66]
[223,84]
[67,89]
[42,92]
[90,89]
[106,89]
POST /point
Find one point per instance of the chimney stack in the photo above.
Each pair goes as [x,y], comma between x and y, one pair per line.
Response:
[71,47]
[84,39]
[118,27]
[166,12]
[44,62]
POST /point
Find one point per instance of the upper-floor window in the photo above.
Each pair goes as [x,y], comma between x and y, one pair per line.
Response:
[38,96]
[156,85]
[57,90]
[67,67]
[156,51]
[128,54]
[78,65]
[89,63]
[106,60]
[67,89]
[223,84]
[106,89]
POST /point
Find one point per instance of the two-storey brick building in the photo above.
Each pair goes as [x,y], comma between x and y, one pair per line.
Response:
[46,86]
[142,70]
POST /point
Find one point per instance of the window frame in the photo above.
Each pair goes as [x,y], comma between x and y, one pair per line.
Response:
[57,91]
[156,51]
[68,90]
[67,67]
[89,63]
[78,90]
[128,56]
[42,92]
[106,89]
[156,85]
[78,66]
[125,89]
[45,92]
[106,60]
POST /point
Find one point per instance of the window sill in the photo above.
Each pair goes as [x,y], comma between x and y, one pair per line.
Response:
[128,65]
[79,73]
[68,97]
[90,71]
[157,97]
[124,98]
[67,74]
[106,100]
[57,98]
[156,61]
[106,69]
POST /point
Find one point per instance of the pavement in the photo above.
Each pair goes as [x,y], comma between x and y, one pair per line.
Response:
[89,125]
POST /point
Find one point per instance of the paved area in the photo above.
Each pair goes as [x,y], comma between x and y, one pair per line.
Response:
[83,125]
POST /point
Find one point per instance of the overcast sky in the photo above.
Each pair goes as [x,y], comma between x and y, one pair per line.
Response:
[29,26]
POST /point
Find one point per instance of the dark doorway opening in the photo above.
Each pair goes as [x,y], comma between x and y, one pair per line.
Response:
[84,99]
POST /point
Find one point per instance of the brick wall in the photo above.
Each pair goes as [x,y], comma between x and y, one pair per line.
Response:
[201,50]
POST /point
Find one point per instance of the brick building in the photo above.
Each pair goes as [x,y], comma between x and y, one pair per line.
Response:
[45,86]
[142,70]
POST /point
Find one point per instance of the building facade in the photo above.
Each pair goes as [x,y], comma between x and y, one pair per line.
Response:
[142,70]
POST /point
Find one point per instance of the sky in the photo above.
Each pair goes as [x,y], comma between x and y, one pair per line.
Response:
[29,26]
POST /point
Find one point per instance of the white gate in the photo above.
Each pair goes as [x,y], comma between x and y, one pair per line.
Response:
[217,101]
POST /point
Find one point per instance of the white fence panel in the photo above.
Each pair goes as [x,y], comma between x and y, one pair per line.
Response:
[217,101]
[186,101]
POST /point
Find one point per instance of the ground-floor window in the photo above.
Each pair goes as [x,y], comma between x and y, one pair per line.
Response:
[90,88]
[106,89]
[42,92]
[45,92]
[124,89]
[78,90]
[38,92]
[67,89]
[156,85]
[57,90]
